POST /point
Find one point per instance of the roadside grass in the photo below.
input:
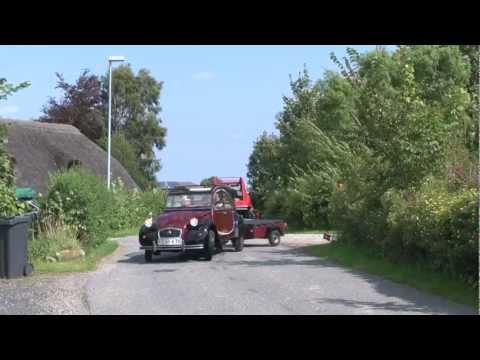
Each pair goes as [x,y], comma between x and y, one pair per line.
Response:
[125,232]
[88,263]
[414,275]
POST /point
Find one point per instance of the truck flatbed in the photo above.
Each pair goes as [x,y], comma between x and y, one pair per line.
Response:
[271,229]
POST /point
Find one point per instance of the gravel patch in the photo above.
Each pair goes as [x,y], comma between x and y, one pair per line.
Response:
[44,295]
[299,240]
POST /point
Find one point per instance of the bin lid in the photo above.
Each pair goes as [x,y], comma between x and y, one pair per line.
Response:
[26,218]
[25,193]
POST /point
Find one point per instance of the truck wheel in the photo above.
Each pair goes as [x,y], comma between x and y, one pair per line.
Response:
[148,256]
[274,237]
[209,246]
[238,243]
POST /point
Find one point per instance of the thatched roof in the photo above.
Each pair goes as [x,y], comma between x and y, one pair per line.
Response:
[41,148]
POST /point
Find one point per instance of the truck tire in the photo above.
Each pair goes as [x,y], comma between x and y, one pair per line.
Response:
[238,243]
[209,245]
[148,256]
[274,237]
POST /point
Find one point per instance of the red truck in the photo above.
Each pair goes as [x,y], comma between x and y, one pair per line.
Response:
[243,202]
[253,227]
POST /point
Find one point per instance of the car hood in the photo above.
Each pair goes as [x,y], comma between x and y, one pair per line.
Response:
[181,218]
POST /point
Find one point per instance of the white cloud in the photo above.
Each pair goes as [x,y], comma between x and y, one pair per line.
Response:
[9,109]
[204,75]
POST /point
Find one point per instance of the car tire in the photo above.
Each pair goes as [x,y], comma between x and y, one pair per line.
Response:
[274,237]
[238,243]
[209,245]
[148,256]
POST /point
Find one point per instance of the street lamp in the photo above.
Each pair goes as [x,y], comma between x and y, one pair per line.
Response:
[110,60]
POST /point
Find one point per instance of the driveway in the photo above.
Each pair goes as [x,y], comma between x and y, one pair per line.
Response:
[259,280]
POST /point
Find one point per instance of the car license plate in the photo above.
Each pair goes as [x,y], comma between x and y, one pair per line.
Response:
[170,241]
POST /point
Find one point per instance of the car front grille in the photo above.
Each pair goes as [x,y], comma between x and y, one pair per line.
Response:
[170,232]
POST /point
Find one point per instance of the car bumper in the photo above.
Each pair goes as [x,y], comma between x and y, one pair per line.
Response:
[194,240]
[172,248]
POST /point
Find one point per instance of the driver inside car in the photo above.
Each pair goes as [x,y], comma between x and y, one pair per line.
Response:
[186,201]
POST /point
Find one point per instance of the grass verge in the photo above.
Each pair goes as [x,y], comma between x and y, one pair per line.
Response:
[88,263]
[413,275]
[125,232]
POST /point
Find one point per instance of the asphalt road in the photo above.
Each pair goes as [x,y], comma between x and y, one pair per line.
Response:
[259,280]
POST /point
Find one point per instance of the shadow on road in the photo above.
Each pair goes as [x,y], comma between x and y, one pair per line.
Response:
[417,301]
[257,245]
[165,258]
[139,258]
[371,305]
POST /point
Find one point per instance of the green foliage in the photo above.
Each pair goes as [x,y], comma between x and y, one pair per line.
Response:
[136,126]
[132,207]
[207,181]
[125,153]
[7,89]
[80,199]
[52,236]
[380,127]
[135,110]
[264,170]
[437,227]
[9,206]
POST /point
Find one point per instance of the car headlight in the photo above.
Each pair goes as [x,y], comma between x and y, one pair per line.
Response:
[194,221]
[149,222]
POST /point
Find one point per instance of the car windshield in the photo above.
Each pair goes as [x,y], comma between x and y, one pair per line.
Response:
[188,200]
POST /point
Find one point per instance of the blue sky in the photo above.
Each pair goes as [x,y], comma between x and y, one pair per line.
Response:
[216,100]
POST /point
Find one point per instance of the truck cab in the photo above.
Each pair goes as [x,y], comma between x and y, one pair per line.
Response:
[243,202]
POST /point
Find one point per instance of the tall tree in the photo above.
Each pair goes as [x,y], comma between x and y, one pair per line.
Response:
[7,89]
[80,106]
[264,173]
[135,113]
[207,181]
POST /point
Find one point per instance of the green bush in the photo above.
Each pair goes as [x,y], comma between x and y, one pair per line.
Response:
[432,226]
[9,206]
[81,199]
[52,236]
[437,227]
[131,207]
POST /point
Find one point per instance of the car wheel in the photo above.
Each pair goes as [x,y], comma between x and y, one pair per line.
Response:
[209,246]
[238,243]
[274,237]
[148,256]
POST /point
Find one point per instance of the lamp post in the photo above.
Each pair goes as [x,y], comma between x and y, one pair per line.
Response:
[111,59]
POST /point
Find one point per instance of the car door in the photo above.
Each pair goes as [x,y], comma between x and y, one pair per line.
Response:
[223,211]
